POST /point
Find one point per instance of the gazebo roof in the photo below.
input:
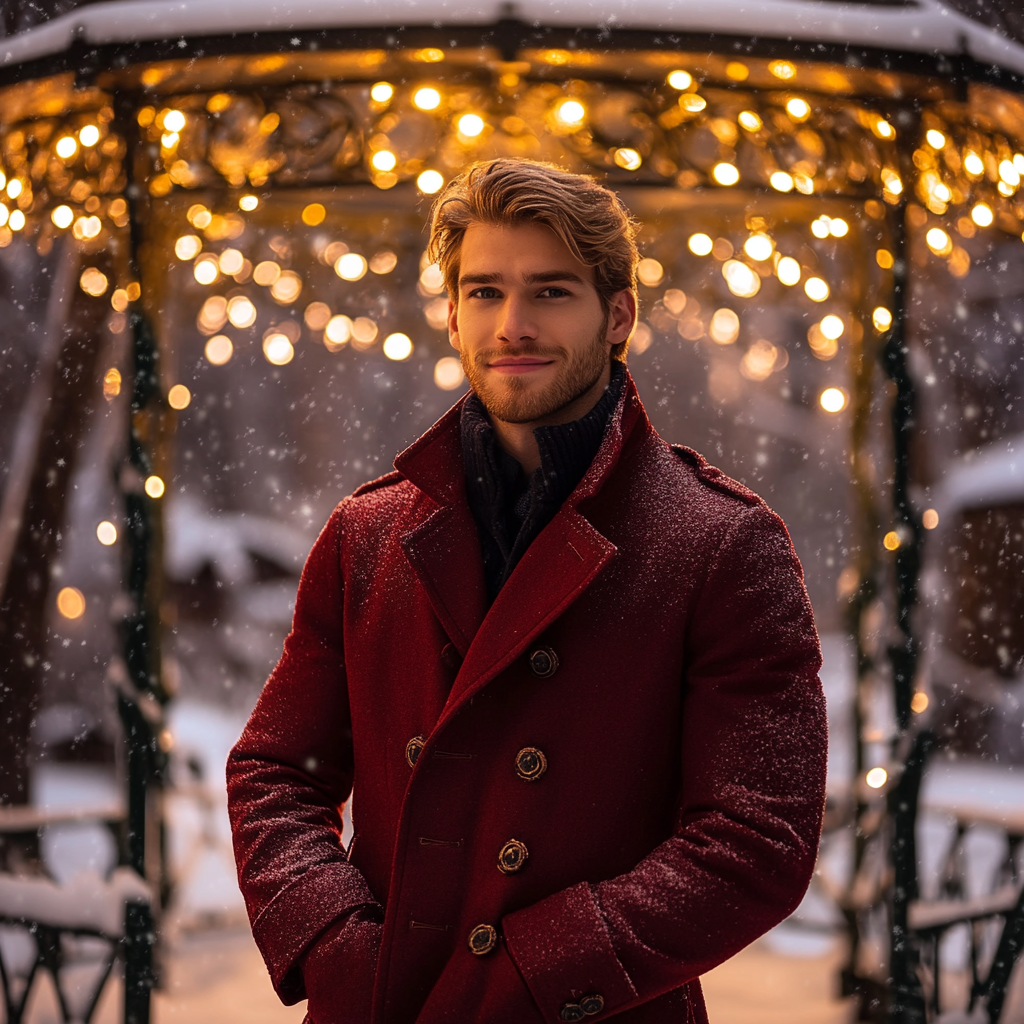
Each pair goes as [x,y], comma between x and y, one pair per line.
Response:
[923,27]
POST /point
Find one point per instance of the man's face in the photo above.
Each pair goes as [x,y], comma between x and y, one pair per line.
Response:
[529,325]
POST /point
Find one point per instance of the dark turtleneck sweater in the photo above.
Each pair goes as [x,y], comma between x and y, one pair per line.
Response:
[509,509]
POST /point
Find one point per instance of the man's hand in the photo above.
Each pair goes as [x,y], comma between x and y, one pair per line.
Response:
[485,990]
[340,967]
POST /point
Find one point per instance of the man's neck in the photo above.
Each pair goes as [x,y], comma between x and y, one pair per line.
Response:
[517,438]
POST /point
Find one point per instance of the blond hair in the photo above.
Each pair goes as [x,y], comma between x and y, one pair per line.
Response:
[589,218]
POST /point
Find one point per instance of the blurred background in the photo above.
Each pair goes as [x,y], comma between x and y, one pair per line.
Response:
[220,319]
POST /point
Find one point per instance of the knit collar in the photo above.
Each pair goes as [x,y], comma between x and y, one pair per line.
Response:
[493,477]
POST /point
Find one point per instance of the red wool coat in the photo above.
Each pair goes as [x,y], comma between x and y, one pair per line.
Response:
[618,768]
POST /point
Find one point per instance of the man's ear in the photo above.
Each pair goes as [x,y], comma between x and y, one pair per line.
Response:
[453,327]
[621,317]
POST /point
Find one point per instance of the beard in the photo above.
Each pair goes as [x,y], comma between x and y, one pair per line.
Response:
[514,399]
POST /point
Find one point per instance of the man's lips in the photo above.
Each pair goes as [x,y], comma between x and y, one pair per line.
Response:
[519,364]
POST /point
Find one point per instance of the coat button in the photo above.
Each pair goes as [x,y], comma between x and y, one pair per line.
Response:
[543,662]
[450,657]
[512,857]
[531,764]
[572,1011]
[592,1004]
[413,749]
[482,939]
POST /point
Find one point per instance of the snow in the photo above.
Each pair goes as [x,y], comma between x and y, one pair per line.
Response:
[86,901]
[976,791]
[988,476]
[926,26]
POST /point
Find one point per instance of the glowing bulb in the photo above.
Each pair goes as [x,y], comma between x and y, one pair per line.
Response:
[570,113]
[1009,173]
[832,327]
[742,281]
[781,181]
[278,349]
[62,216]
[876,778]
[14,188]
[174,121]
[430,182]
[231,262]
[749,120]
[884,259]
[838,227]
[71,602]
[816,289]
[700,244]
[891,541]
[788,271]
[384,160]
[169,140]
[725,173]
[884,130]
[179,397]
[650,272]
[89,135]
[935,138]
[187,247]
[219,350]
[350,266]
[832,400]
[248,203]
[66,147]
[680,80]
[759,246]
[83,229]
[891,182]
[286,288]
[154,486]
[782,69]
[382,92]
[626,158]
[724,327]
[427,98]
[111,383]
[16,221]
[973,164]
[398,346]
[106,533]
[798,109]
[939,242]
[471,125]
[338,331]
[205,269]
[881,318]
[820,227]
[448,373]
[693,103]
[266,273]
[919,702]
[314,214]
[737,71]
[93,282]
[930,519]
[241,312]
[982,215]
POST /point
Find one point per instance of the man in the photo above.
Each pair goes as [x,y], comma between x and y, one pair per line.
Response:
[570,670]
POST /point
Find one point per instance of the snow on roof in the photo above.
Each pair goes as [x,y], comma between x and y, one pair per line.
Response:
[924,26]
[86,901]
[991,476]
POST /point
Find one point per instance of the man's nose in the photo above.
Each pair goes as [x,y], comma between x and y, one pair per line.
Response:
[516,322]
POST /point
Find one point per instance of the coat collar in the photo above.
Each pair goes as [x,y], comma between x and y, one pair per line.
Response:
[558,566]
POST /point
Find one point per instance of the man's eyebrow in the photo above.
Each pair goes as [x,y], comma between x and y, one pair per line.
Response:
[543,277]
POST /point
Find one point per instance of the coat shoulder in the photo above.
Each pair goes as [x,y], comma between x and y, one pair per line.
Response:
[387,480]
[713,478]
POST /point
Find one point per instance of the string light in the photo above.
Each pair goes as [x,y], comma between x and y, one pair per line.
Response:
[430,182]
[89,135]
[426,98]
[700,244]
[788,271]
[930,519]
[382,92]
[154,487]
[982,215]
[570,113]
[248,203]
[680,80]
[179,397]
[816,289]
[781,181]
[71,602]
[106,533]
[876,778]
[219,350]
[759,247]
[62,216]
[749,120]
[448,373]
[398,346]
[881,318]
[725,173]
[66,147]
[935,138]
[832,400]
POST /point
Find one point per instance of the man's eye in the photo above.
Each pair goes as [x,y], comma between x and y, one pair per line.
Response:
[484,293]
[554,292]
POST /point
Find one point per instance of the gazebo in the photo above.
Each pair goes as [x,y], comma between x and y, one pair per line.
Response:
[227,200]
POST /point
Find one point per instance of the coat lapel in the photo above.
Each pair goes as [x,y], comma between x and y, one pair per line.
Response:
[555,570]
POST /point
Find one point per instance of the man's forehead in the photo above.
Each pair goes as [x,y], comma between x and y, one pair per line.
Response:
[518,250]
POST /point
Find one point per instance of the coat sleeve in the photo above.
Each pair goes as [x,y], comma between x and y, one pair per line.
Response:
[288,775]
[753,750]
